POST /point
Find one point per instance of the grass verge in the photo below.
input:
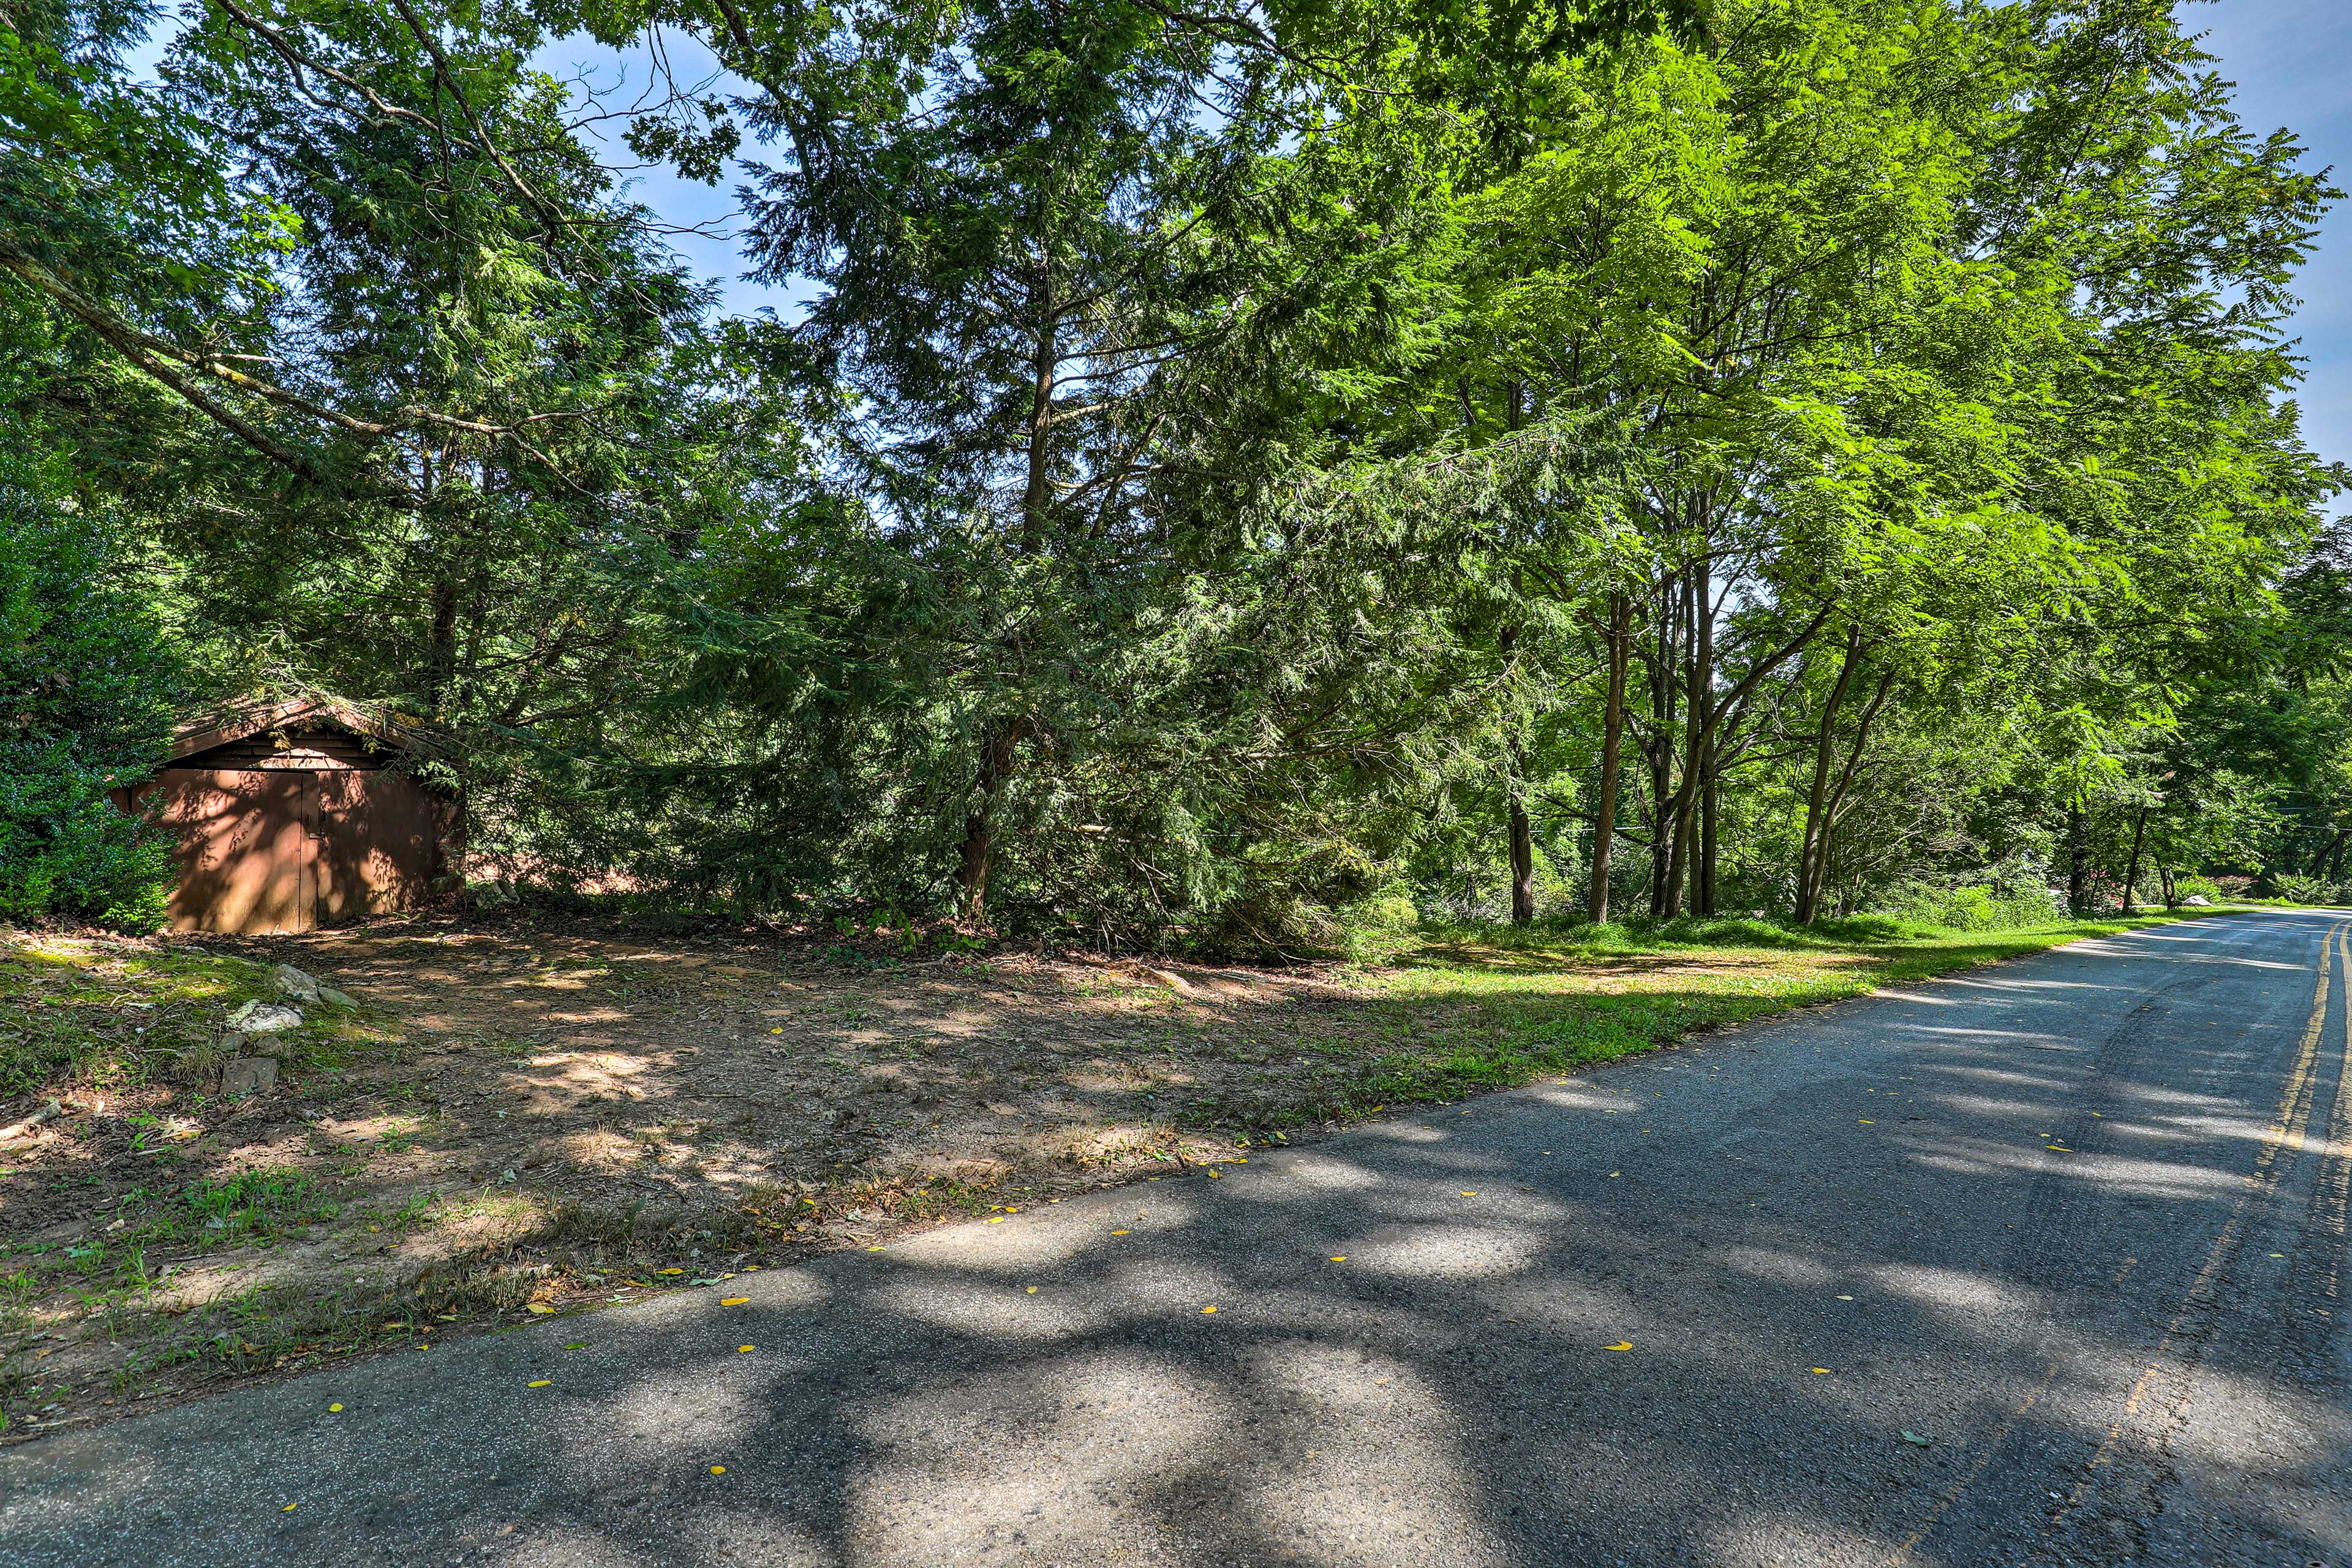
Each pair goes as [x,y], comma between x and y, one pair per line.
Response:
[1484,1008]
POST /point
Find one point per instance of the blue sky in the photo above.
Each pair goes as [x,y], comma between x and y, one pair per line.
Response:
[2292,61]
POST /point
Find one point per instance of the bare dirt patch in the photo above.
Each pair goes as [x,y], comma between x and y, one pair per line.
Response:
[526,1115]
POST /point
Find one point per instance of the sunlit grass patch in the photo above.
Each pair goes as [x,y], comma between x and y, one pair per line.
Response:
[1477,1008]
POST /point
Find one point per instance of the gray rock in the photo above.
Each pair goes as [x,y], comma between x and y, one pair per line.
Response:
[335,998]
[248,1075]
[229,1042]
[2198,901]
[264,1019]
[294,983]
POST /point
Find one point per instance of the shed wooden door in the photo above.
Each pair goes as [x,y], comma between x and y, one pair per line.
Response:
[247,851]
[377,842]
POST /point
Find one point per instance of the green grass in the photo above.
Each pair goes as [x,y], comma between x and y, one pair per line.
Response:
[74,1014]
[84,1013]
[1475,1009]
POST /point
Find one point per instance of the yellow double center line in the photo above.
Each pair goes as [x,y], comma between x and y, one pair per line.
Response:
[2285,1131]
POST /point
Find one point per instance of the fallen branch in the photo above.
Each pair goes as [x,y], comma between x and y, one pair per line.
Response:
[21,1128]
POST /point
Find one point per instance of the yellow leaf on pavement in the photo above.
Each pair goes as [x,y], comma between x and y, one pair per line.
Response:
[1619,1345]
[734,1300]
[542,1383]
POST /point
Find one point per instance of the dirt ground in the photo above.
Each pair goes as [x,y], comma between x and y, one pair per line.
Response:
[527,1114]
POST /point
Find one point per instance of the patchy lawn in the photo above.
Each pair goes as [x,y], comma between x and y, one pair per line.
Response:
[520,1116]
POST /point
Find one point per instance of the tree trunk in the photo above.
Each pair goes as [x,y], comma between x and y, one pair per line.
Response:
[2131,877]
[1816,841]
[2172,889]
[1695,704]
[1708,843]
[1661,746]
[1520,837]
[1702,743]
[2078,861]
[441,651]
[1833,809]
[979,850]
[1038,493]
[1613,738]
[2333,855]
[1523,861]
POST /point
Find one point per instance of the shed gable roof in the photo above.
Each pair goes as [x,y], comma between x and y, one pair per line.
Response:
[220,729]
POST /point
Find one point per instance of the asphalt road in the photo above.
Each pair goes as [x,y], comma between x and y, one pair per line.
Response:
[2076,1222]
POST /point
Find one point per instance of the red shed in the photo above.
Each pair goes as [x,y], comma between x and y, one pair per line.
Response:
[296,815]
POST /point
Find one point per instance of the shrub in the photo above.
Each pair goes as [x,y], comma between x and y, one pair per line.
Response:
[2296,888]
[1978,907]
[88,689]
[2184,888]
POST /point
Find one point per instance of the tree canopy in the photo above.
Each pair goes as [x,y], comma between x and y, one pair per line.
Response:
[1238,473]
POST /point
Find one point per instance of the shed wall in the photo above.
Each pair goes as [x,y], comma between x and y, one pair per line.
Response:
[271,849]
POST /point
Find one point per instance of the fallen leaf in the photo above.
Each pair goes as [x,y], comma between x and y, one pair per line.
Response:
[1865,1121]
[1341,1259]
[581,1346]
[1915,1437]
[1616,1173]
[669,1270]
[539,1306]
[1619,1345]
[333,1408]
[289,1508]
[873,1249]
[996,1219]
[1469,1194]
[1032,1290]
[1205,1310]
[1845,1298]
[734,1300]
[718,1470]
[1118,1233]
[542,1383]
[1821,1371]
[740,1350]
